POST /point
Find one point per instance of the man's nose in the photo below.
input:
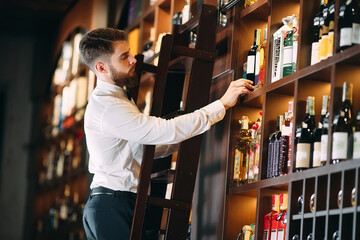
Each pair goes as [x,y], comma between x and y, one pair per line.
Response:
[132,60]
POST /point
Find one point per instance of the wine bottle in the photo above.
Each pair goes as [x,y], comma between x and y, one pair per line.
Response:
[259,60]
[303,152]
[315,41]
[317,134]
[349,24]
[284,146]
[295,21]
[324,42]
[356,145]
[324,133]
[330,19]
[276,146]
[262,60]
[343,127]
[251,58]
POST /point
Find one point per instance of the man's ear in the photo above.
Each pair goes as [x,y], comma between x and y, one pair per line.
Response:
[100,67]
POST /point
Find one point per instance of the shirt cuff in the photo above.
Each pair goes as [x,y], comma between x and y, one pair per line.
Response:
[216,111]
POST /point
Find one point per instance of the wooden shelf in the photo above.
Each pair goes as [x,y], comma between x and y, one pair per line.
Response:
[259,10]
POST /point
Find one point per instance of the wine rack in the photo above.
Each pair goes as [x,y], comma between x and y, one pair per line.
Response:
[321,185]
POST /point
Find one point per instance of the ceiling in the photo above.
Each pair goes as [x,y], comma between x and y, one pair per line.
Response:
[32,14]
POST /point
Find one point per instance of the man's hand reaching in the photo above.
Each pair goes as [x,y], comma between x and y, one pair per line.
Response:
[236,88]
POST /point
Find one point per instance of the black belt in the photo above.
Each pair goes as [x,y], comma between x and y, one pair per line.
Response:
[107,191]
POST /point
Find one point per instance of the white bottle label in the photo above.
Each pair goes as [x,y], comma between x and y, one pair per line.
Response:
[281,234]
[273,234]
[314,53]
[340,145]
[356,33]
[345,36]
[324,147]
[288,56]
[317,154]
[356,153]
[250,64]
[303,155]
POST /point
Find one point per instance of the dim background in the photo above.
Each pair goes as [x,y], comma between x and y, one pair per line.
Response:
[28,41]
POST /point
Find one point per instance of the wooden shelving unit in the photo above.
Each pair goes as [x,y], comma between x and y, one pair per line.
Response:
[61,153]
[323,78]
[249,203]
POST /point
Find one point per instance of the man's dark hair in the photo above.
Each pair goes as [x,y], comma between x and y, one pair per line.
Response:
[98,44]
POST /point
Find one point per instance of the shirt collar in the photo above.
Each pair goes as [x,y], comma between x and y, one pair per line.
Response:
[110,87]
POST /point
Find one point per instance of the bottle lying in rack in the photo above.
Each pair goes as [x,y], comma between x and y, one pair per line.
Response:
[343,127]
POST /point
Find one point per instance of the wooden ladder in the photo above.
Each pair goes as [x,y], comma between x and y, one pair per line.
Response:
[167,93]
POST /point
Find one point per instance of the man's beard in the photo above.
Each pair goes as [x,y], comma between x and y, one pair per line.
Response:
[121,79]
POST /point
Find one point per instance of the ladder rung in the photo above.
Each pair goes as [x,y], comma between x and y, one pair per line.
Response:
[149,68]
[192,23]
[194,53]
[166,203]
[165,176]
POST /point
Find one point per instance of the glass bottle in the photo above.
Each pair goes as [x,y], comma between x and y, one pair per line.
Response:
[303,152]
[251,58]
[356,138]
[342,129]
[324,131]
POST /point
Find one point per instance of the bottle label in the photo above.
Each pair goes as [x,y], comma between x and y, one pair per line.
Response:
[356,153]
[314,53]
[345,37]
[250,64]
[330,44]
[340,145]
[237,165]
[324,145]
[317,154]
[288,56]
[356,33]
[273,234]
[324,47]
[281,234]
[303,155]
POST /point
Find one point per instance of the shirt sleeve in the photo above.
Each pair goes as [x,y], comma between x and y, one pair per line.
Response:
[125,121]
[165,150]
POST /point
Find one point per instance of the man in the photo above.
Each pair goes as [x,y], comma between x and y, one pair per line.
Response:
[116,131]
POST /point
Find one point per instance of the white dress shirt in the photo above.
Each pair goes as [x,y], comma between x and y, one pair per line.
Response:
[116,131]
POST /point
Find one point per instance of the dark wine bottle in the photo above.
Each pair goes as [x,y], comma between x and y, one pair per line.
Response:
[349,24]
[342,129]
[317,134]
[251,58]
[324,133]
[356,145]
[303,151]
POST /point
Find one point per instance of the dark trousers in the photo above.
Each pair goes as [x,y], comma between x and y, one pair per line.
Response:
[108,217]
